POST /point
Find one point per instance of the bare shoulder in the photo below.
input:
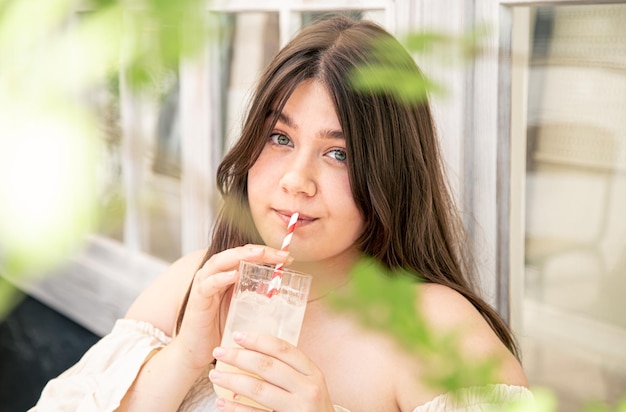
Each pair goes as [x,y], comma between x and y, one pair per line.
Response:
[444,307]
[449,312]
[159,303]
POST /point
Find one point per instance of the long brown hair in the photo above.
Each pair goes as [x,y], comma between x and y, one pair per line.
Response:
[395,167]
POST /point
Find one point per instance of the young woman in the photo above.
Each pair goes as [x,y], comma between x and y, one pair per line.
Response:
[364,171]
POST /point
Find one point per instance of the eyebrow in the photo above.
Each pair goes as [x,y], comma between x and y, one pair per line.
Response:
[331,133]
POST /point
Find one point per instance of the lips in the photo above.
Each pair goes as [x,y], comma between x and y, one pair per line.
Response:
[286,215]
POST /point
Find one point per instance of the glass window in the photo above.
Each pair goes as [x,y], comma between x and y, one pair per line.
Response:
[576,160]
[575,233]
[140,167]
[248,41]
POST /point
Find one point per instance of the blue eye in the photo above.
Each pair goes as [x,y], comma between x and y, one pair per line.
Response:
[338,154]
[280,139]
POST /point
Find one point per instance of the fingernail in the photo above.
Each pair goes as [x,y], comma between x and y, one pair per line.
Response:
[218,352]
[290,260]
[214,375]
[220,403]
[230,274]
[282,253]
[238,336]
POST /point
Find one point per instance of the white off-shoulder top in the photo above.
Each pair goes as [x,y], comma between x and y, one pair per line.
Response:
[101,378]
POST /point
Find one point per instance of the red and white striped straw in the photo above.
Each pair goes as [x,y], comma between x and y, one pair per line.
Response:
[274,286]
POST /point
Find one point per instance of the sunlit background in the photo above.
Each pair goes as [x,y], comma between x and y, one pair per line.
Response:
[113,120]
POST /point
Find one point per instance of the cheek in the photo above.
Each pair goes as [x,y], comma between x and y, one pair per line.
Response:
[342,191]
[252,184]
[262,183]
[254,196]
[344,204]
[257,178]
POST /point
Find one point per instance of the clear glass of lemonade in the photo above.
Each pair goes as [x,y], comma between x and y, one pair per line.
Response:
[253,310]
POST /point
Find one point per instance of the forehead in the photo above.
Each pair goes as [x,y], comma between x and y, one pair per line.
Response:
[310,103]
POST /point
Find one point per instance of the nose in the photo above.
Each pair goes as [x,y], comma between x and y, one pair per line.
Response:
[299,179]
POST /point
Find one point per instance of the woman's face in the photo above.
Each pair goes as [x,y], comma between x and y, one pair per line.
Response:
[303,168]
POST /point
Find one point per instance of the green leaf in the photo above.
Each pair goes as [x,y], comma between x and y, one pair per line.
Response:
[387,300]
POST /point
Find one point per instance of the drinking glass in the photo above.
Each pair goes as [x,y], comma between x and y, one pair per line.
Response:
[254,308]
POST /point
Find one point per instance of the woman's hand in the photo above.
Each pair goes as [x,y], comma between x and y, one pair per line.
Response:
[200,330]
[291,381]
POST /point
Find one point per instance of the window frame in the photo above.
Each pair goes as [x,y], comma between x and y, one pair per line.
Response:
[96,287]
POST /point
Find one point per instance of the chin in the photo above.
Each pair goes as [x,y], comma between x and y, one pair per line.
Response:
[273,240]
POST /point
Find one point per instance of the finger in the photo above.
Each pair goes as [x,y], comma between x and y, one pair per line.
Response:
[271,369]
[246,388]
[209,285]
[229,259]
[273,347]
[231,406]
[277,348]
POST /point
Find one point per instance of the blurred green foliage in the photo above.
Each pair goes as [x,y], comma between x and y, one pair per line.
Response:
[433,46]
[602,407]
[388,301]
[54,54]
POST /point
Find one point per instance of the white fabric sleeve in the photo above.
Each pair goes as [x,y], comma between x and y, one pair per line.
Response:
[479,399]
[101,378]
[489,398]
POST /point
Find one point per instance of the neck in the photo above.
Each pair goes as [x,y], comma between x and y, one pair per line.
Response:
[327,276]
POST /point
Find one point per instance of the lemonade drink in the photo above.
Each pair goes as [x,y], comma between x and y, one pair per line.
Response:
[252,310]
